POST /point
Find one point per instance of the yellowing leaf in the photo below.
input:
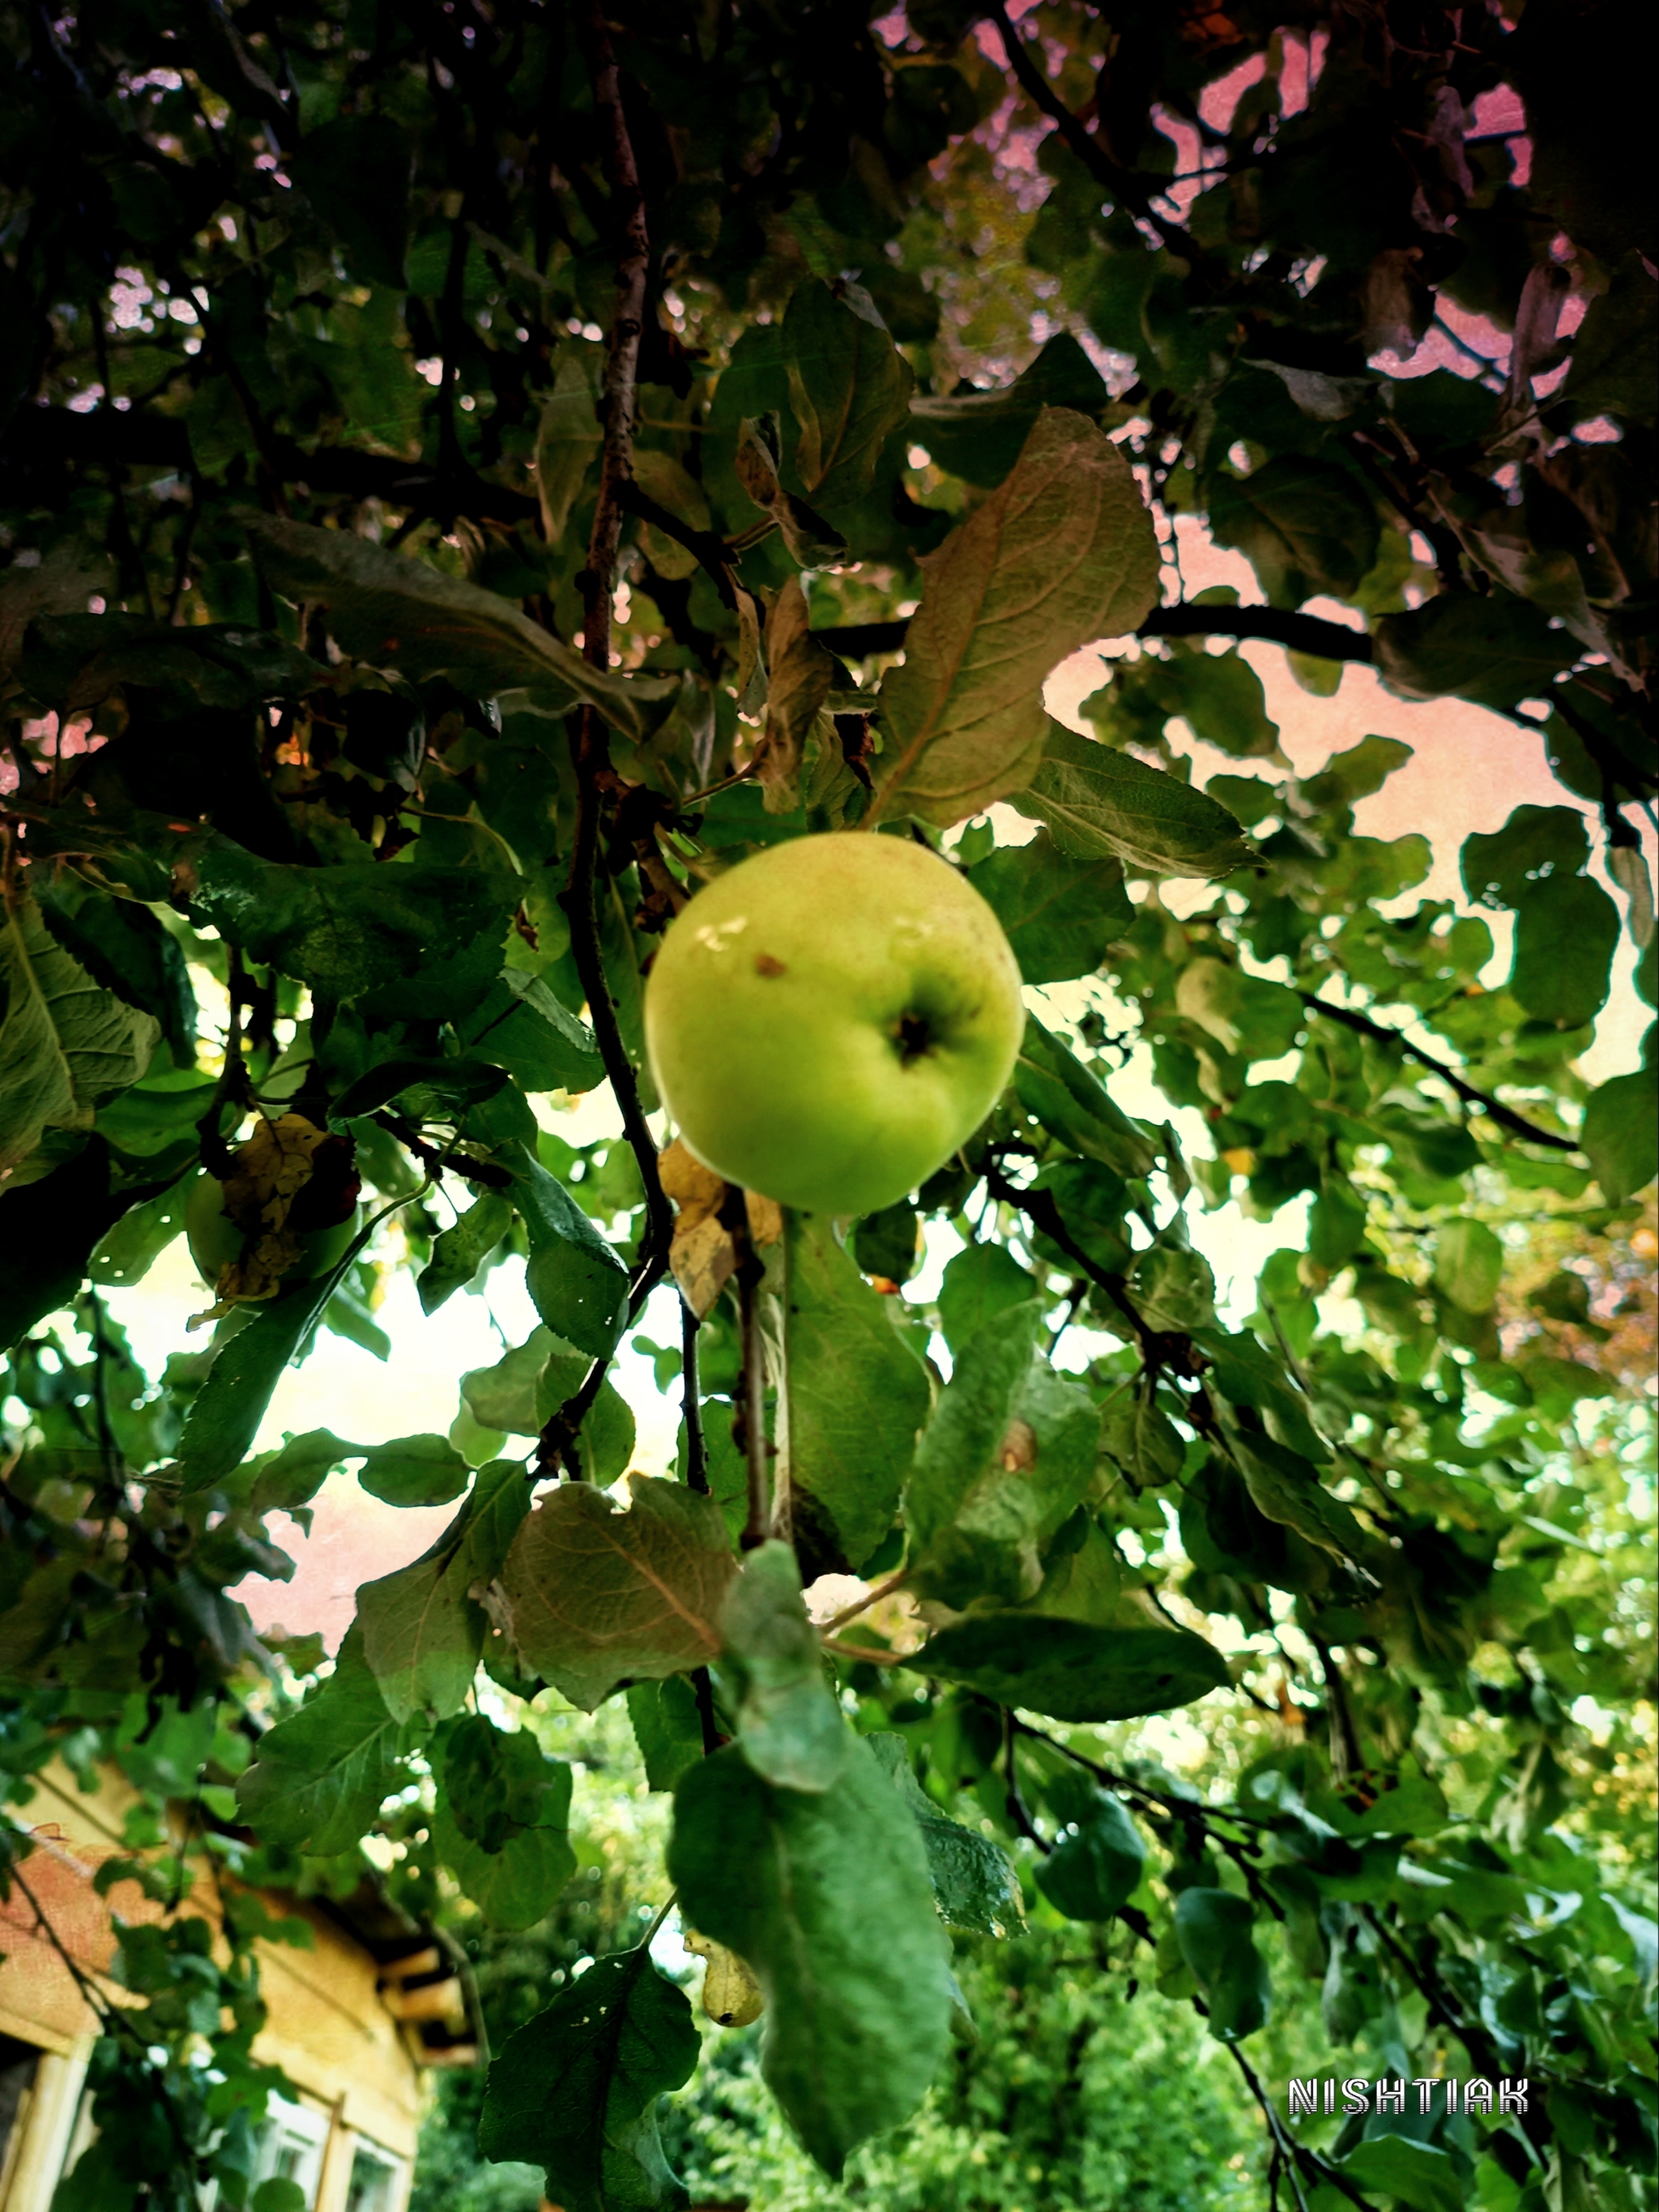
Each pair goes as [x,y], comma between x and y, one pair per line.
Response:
[1063,552]
[732,1997]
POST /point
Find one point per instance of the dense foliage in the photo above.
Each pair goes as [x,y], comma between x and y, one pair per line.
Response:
[472,472]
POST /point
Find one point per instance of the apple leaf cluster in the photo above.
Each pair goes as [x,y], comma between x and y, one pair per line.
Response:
[470,477]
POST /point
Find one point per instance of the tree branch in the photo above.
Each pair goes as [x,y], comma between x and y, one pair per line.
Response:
[695,1470]
[1326,641]
[589,747]
[1123,187]
[1505,1117]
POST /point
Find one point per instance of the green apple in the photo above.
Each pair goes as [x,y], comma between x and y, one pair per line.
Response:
[215,1240]
[831,1019]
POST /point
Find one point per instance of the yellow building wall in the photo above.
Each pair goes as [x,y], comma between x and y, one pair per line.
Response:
[328,2027]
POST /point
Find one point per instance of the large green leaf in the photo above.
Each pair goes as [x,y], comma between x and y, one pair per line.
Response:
[1305,526]
[344,929]
[578,1281]
[523,1029]
[425,1470]
[1497,651]
[320,1777]
[789,1726]
[854,1395]
[1074,1105]
[422,1630]
[355,171]
[1417,2174]
[64,1040]
[1071,1670]
[1062,553]
[599,1596]
[1563,911]
[458,1250]
[502,1820]
[1212,1927]
[1097,801]
[975,1885]
[396,612]
[826,1896]
[980,1282]
[1098,1861]
[850,387]
[1468,1264]
[1009,1451]
[1059,914]
[1621,1134]
[575,2090]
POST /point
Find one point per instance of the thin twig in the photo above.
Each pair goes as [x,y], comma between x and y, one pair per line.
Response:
[873,1595]
[1022,1823]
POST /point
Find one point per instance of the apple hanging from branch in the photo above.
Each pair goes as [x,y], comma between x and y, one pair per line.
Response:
[829,1022]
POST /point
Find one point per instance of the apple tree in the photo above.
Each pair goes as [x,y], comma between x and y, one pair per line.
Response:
[474,476]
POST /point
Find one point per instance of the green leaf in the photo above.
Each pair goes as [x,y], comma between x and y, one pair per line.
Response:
[1415,2173]
[1053,1085]
[1536,843]
[1613,349]
[347,929]
[1007,1454]
[568,437]
[1097,801]
[1059,914]
[975,1885]
[599,1596]
[1469,1265]
[886,1243]
[1286,1488]
[1305,526]
[854,1395]
[1219,695]
[415,1471]
[396,612]
[980,1282]
[1071,1670]
[1496,651]
[429,1088]
[575,2090]
[225,1417]
[320,1777]
[502,1819]
[1098,1862]
[505,1396]
[789,1726]
[459,1251]
[979,435]
[1621,1134]
[355,172]
[277,2194]
[1212,1928]
[1063,553]
[578,1281]
[850,387]
[827,1898]
[423,1631]
[1172,1288]
[64,1040]
[523,1027]
[293,1476]
[667,1728]
[138,1239]
[1248,1017]
[77,660]
[1562,911]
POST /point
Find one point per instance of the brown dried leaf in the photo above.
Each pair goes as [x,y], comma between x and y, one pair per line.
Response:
[799,674]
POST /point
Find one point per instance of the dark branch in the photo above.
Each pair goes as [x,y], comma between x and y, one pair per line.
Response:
[1124,187]
[1505,1117]
[1327,640]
